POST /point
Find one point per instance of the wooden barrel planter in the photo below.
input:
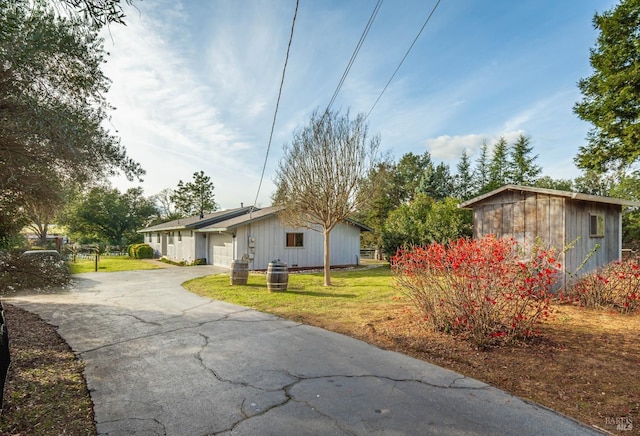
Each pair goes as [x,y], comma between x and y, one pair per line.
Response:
[277,276]
[239,272]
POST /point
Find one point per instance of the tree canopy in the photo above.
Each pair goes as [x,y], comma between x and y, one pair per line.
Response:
[612,93]
[195,197]
[109,216]
[52,109]
[321,178]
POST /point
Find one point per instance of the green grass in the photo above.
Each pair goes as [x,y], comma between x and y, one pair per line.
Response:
[355,295]
[109,264]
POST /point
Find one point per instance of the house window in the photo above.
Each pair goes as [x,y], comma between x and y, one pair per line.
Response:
[179,236]
[295,240]
[158,237]
[596,225]
[171,237]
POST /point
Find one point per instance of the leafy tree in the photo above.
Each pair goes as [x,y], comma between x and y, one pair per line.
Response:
[408,175]
[498,166]
[381,202]
[425,220]
[612,93]
[52,109]
[165,207]
[522,167]
[196,197]
[98,12]
[628,188]
[558,184]
[595,183]
[463,186]
[321,178]
[106,215]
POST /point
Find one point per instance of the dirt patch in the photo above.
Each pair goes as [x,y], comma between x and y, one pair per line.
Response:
[45,392]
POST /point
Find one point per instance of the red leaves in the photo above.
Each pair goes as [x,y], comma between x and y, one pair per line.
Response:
[483,289]
[617,286]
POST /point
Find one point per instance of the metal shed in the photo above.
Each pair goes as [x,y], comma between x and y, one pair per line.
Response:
[589,223]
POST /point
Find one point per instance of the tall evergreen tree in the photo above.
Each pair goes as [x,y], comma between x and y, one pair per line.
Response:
[612,93]
[522,167]
[499,165]
[463,181]
[481,171]
[196,197]
[436,182]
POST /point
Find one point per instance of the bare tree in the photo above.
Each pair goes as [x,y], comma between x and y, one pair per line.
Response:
[321,179]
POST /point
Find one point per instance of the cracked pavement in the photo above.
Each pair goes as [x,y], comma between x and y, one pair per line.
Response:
[162,361]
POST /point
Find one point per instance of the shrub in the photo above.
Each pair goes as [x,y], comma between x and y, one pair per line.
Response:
[617,285]
[143,251]
[37,269]
[131,250]
[484,290]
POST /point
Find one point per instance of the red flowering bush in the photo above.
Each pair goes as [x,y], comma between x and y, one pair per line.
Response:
[486,290]
[617,285]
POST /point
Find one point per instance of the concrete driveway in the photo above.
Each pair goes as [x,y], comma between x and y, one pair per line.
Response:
[160,360]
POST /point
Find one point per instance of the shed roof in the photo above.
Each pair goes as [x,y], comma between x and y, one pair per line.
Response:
[469,204]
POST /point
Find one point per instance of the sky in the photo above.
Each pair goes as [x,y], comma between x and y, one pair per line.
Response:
[195,82]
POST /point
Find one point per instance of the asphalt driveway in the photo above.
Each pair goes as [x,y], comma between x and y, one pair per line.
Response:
[160,360]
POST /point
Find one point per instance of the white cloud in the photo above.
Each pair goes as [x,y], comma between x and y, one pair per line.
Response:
[447,147]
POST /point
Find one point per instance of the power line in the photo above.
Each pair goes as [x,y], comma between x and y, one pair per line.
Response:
[355,53]
[275,113]
[404,57]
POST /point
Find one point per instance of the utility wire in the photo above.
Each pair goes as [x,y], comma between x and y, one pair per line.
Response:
[275,113]
[355,53]
[405,56]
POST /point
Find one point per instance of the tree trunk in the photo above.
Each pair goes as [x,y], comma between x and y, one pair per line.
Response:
[327,258]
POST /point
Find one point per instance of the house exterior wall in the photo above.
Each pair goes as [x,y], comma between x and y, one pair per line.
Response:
[154,239]
[556,221]
[270,244]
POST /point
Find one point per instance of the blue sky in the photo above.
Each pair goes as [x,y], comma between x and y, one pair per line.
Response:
[195,82]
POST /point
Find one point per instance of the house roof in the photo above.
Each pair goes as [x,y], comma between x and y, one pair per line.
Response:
[195,222]
[469,204]
[257,215]
[237,221]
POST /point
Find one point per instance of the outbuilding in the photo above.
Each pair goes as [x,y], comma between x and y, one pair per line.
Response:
[589,227]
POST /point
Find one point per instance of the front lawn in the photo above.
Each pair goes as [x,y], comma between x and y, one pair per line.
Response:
[110,264]
[584,363]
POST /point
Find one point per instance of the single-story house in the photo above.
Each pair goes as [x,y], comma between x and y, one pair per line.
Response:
[590,224]
[255,234]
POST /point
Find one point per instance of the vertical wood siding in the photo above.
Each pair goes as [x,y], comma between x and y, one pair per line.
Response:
[554,221]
